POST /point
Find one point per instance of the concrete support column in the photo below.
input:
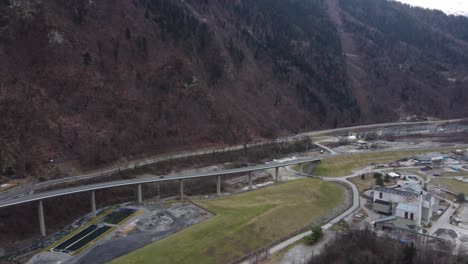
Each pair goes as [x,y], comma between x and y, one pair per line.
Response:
[140,194]
[218,185]
[300,168]
[181,183]
[159,192]
[41,219]
[93,203]
[276,174]
[250,180]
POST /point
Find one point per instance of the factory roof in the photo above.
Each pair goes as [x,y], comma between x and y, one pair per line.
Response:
[407,208]
[396,191]
[431,157]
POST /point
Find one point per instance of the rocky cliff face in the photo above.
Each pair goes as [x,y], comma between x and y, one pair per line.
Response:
[94,81]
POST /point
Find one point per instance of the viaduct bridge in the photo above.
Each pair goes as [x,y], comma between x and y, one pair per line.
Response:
[92,188]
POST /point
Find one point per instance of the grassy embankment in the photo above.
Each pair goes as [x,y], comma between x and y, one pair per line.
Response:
[452,185]
[243,223]
[455,173]
[12,184]
[345,165]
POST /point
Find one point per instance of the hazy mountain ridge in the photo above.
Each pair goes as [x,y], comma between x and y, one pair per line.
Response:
[93,81]
[451,7]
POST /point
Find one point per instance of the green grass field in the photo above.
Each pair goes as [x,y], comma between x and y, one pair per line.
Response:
[455,173]
[243,223]
[452,185]
[344,165]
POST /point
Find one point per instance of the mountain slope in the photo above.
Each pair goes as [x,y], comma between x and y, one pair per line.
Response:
[413,63]
[94,81]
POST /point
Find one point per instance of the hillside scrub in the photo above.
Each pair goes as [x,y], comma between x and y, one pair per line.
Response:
[88,83]
[363,246]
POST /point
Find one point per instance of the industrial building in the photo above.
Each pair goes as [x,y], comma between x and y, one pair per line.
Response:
[408,206]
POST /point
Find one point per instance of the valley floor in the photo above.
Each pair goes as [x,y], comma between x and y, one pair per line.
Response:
[244,223]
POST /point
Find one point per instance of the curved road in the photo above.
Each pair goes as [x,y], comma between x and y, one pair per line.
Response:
[350,210]
[332,152]
[343,180]
[98,186]
[22,190]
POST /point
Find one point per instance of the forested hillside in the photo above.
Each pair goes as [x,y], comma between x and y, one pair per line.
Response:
[416,59]
[86,83]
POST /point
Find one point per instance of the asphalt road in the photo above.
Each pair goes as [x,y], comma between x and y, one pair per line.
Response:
[352,209]
[112,184]
[21,191]
[30,188]
[28,197]
[383,125]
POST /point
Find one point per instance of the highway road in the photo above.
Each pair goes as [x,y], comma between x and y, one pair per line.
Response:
[383,125]
[120,183]
[26,194]
[21,190]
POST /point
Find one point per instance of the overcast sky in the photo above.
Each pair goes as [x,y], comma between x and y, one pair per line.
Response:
[448,6]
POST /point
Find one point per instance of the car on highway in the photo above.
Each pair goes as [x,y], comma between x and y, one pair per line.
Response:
[436,174]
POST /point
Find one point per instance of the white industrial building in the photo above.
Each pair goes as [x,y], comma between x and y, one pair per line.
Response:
[431,158]
[410,204]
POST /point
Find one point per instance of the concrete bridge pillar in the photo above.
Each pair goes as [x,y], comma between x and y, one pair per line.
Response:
[301,167]
[139,194]
[93,203]
[276,175]
[159,191]
[181,183]
[218,185]
[250,180]
[41,219]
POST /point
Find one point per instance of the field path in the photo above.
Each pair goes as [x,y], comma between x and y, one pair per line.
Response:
[354,207]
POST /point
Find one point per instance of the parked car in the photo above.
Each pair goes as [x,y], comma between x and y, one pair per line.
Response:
[437,174]
[427,168]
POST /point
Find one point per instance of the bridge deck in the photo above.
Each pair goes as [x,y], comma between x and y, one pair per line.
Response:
[165,178]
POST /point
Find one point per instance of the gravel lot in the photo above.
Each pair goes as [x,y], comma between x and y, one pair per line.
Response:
[157,222]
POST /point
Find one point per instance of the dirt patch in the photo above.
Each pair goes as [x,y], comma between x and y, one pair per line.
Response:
[446,233]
